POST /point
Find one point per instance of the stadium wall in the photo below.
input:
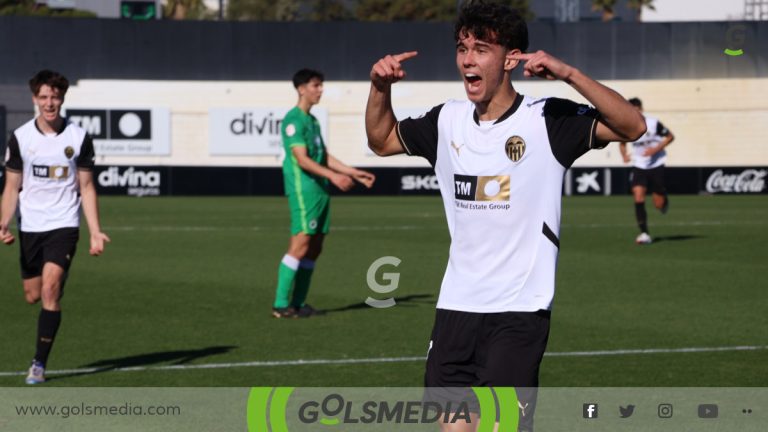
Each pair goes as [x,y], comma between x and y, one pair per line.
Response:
[269,51]
[715,122]
[175,73]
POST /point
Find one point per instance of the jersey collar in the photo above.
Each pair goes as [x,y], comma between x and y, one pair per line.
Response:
[506,115]
[58,132]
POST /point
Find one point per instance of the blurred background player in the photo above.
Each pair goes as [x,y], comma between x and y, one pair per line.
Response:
[500,158]
[648,158]
[53,160]
[307,170]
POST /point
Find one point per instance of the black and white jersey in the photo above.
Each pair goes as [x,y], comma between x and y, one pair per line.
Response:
[49,197]
[501,183]
[654,134]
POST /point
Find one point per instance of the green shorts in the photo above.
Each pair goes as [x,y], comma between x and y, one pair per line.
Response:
[310,213]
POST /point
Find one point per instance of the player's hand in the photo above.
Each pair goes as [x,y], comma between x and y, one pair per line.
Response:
[343,182]
[364,177]
[541,64]
[389,70]
[650,151]
[98,241]
[626,158]
[5,235]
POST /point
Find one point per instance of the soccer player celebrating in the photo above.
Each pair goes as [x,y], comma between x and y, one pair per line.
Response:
[500,158]
[53,160]
[648,169]
[307,170]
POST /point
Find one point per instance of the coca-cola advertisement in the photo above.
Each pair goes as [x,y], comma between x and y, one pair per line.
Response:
[735,180]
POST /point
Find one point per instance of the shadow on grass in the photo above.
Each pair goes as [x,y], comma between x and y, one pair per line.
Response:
[677,238]
[176,358]
[407,301]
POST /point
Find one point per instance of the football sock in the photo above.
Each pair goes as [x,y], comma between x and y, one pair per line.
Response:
[285,276]
[47,325]
[641,216]
[303,276]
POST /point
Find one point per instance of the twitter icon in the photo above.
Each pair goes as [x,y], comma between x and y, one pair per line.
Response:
[626,412]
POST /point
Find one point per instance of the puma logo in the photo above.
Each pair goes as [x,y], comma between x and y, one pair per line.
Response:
[456,147]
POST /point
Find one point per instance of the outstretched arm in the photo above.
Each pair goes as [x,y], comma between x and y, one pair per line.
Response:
[91,211]
[380,121]
[9,203]
[620,121]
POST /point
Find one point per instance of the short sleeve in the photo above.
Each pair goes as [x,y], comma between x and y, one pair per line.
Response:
[419,135]
[13,159]
[571,129]
[661,130]
[293,132]
[87,157]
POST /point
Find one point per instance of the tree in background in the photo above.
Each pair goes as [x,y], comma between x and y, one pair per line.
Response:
[608,7]
[31,8]
[638,6]
[263,10]
[186,9]
[330,10]
[421,10]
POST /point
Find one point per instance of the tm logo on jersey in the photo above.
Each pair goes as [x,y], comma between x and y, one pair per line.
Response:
[50,172]
[481,188]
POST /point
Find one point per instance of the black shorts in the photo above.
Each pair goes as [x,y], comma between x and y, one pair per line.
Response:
[651,179]
[486,349]
[37,248]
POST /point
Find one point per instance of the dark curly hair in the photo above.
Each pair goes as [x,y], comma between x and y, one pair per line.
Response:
[493,23]
[50,78]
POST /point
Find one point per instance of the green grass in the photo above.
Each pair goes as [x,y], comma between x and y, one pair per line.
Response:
[190,281]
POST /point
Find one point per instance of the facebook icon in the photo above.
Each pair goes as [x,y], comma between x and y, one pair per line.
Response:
[590,410]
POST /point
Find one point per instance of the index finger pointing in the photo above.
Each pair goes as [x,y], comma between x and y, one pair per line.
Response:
[405,56]
[521,56]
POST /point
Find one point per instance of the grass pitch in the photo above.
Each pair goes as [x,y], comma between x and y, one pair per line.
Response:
[188,283]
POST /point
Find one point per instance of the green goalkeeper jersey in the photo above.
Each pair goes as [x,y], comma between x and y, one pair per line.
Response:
[302,129]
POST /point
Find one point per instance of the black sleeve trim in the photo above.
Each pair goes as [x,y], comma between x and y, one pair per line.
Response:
[548,233]
[661,130]
[402,141]
[85,161]
[418,136]
[594,142]
[571,129]
[14,161]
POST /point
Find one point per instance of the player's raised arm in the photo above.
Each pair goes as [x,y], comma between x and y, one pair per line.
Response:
[380,119]
[619,121]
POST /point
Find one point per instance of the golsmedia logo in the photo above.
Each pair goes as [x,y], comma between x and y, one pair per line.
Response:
[281,409]
[335,410]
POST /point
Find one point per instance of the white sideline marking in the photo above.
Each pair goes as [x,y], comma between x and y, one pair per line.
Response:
[381,360]
[414,227]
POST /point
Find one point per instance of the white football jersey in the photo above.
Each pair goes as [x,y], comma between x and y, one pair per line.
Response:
[654,134]
[501,184]
[49,197]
